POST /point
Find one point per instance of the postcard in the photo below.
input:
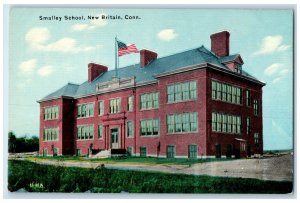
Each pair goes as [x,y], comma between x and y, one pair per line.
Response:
[170,100]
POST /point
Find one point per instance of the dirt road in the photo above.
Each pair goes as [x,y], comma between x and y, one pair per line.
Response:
[277,168]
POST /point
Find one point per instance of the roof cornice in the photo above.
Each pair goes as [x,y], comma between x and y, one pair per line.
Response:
[54,98]
[217,68]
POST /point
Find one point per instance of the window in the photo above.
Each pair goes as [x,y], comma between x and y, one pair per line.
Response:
[242,147]
[219,91]
[85,110]
[238,125]
[170,123]
[226,123]
[256,139]
[182,123]
[55,151]
[129,129]
[219,122]
[226,92]
[78,152]
[248,125]
[129,151]
[51,113]
[149,101]
[170,151]
[193,151]
[143,152]
[234,95]
[100,131]
[171,91]
[229,123]
[149,128]
[248,98]
[214,121]
[238,96]
[182,91]
[214,90]
[233,124]
[101,108]
[85,132]
[255,106]
[130,103]
[229,95]
[114,105]
[45,152]
[50,134]
[238,68]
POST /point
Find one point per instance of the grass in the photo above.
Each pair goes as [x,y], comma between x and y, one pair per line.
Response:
[41,178]
[130,160]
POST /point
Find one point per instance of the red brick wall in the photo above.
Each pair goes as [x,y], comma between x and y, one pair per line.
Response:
[234,109]
[204,105]
[68,126]
[94,70]
[220,43]
[51,124]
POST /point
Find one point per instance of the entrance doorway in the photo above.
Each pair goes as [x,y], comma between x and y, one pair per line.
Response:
[114,138]
[218,151]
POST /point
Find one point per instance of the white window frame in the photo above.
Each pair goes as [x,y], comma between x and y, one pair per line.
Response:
[85,105]
[132,131]
[116,107]
[152,126]
[101,112]
[85,127]
[182,123]
[178,90]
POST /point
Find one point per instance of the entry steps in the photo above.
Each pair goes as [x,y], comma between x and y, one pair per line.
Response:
[101,155]
[109,153]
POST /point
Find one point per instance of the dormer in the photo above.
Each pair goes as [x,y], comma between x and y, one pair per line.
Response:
[233,62]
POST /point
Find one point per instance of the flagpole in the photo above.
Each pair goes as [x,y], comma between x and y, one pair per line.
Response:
[116,57]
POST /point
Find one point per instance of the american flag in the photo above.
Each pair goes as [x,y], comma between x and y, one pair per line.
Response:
[124,49]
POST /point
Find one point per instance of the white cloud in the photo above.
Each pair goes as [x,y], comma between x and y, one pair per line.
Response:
[283,72]
[95,23]
[283,47]
[277,70]
[38,40]
[45,71]
[65,45]
[167,34]
[27,67]
[272,69]
[271,44]
[37,35]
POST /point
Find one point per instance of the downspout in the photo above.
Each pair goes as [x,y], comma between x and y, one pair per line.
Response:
[135,122]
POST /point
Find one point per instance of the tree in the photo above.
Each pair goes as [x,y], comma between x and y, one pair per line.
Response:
[12,142]
[22,144]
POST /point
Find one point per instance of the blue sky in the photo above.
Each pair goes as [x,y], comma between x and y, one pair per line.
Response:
[45,55]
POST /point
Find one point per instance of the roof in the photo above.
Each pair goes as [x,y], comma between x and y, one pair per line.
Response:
[69,90]
[228,58]
[196,56]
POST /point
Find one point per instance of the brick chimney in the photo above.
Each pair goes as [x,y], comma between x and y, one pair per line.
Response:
[220,43]
[94,70]
[146,57]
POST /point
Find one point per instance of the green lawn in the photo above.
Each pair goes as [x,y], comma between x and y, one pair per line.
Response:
[42,178]
[134,160]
